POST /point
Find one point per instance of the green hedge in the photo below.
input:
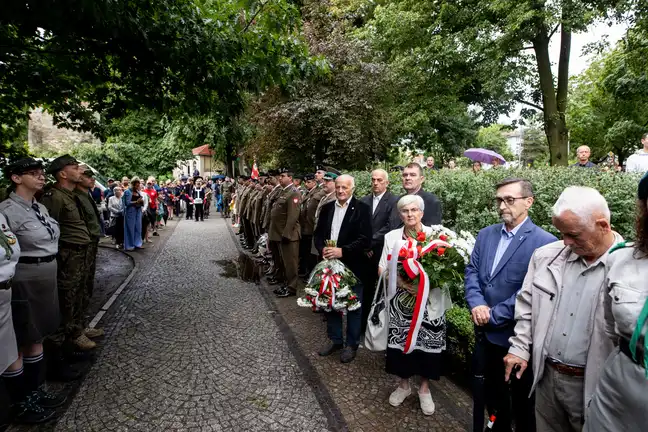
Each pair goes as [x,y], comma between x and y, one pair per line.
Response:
[468,205]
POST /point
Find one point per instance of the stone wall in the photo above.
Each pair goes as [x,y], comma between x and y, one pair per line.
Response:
[44,137]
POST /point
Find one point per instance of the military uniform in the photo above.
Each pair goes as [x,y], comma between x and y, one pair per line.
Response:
[34,292]
[307,223]
[65,207]
[284,228]
[326,198]
[226,193]
[273,246]
[91,217]
[245,221]
[9,255]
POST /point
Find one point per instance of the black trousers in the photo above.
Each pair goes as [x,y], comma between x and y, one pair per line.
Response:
[190,209]
[199,211]
[306,258]
[509,402]
[369,290]
[176,208]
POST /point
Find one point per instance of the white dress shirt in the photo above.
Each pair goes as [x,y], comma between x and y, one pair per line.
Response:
[338,217]
[376,200]
[638,162]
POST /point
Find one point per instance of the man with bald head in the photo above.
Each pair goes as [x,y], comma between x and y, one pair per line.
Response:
[347,222]
[382,204]
[583,154]
[559,312]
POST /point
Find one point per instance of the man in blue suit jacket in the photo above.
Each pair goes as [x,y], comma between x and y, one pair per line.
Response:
[494,276]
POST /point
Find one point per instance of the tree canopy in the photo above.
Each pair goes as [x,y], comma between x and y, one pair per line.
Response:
[92,62]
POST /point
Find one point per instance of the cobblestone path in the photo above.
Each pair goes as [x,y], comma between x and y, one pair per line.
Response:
[187,349]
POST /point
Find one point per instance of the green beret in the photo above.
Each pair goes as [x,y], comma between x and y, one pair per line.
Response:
[61,162]
[330,176]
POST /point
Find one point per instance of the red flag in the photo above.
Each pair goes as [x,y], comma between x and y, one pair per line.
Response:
[255,171]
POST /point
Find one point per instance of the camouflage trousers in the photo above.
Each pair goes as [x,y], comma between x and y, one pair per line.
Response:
[73,295]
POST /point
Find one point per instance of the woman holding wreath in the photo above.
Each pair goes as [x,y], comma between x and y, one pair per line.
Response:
[425,359]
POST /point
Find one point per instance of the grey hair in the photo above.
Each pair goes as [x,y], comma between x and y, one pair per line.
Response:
[411,199]
[118,187]
[347,177]
[584,202]
[382,172]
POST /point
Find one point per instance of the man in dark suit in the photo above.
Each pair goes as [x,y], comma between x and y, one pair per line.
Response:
[382,204]
[413,184]
[347,221]
[494,276]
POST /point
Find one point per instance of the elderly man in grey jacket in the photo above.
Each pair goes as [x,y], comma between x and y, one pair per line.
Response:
[559,312]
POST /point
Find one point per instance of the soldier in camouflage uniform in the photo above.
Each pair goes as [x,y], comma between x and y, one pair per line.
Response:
[284,229]
[307,223]
[91,218]
[226,193]
[64,206]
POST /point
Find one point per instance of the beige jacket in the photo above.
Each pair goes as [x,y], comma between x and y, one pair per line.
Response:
[535,315]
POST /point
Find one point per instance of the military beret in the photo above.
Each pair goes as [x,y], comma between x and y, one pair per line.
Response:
[308,177]
[263,174]
[286,171]
[61,162]
[320,168]
[22,165]
[330,176]
[86,171]
[642,190]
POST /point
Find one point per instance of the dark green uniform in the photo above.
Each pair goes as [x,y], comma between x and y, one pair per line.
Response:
[65,207]
[92,221]
[284,229]
[226,193]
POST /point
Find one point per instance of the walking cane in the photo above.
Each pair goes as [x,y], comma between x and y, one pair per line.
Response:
[479,371]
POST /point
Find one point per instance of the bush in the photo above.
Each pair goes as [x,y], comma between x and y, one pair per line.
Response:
[468,205]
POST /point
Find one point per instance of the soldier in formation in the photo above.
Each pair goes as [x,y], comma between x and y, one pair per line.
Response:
[277,204]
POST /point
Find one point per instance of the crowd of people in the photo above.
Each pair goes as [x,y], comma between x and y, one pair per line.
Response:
[559,325]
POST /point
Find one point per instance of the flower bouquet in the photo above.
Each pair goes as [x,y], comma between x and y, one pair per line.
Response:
[329,287]
[428,265]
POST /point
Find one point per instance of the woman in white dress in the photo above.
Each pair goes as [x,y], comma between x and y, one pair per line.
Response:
[425,359]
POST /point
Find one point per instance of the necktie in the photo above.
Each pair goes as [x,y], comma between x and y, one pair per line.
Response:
[43,220]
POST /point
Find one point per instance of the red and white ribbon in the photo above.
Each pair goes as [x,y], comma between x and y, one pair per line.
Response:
[328,286]
[413,268]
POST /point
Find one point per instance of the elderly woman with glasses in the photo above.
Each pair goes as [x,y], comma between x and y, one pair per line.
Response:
[425,360]
[116,209]
[34,295]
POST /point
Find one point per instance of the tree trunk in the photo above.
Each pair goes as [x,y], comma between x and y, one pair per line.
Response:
[554,101]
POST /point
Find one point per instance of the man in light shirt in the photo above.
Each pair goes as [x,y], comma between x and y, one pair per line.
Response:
[559,312]
[638,162]
[382,203]
[347,221]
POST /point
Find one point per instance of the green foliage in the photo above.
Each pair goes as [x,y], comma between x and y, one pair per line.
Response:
[609,109]
[535,150]
[195,61]
[468,198]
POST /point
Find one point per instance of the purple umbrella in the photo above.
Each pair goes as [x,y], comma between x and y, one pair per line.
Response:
[483,155]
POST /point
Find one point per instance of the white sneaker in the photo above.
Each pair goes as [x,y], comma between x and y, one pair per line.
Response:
[427,404]
[398,396]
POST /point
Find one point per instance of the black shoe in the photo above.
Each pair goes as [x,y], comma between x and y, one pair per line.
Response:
[273,281]
[277,290]
[155,234]
[29,412]
[348,354]
[48,400]
[330,349]
[285,292]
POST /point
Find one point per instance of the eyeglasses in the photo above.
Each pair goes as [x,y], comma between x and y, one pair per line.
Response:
[35,173]
[508,200]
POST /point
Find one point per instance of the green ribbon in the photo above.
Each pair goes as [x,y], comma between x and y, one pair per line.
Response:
[636,335]
[4,242]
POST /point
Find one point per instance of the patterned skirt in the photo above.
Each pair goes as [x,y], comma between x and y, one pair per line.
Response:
[425,360]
